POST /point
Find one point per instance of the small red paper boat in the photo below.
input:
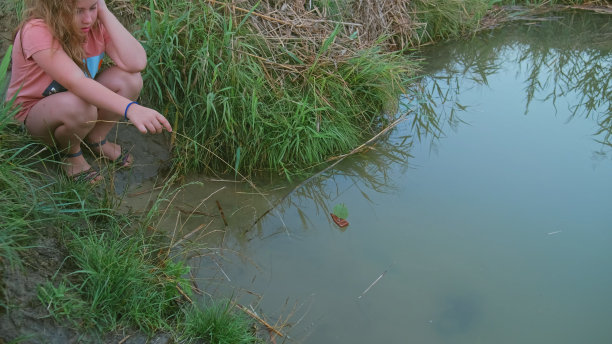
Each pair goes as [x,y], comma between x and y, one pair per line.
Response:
[340,222]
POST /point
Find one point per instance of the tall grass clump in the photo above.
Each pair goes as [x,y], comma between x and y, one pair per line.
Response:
[17,193]
[217,324]
[552,2]
[444,19]
[245,99]
[119,277]
[119,280]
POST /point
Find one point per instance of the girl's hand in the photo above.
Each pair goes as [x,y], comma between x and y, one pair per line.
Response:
[102,10]
[102,5]
[147,120]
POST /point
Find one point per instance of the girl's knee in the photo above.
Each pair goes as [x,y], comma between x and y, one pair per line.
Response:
[133,82]
[125,83]
[79,113]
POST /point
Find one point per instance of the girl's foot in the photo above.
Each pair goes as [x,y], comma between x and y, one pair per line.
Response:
[113,152]
[78,170]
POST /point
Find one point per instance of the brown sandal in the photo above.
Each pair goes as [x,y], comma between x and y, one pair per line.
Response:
[89,175]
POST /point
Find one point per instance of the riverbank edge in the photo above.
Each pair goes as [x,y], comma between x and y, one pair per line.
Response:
[41,262]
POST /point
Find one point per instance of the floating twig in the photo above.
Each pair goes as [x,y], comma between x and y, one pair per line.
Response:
[193,212]
[373,283]
[223,272]
[263,322]
[178,287]
[194,284]
[188,235]
[135,194]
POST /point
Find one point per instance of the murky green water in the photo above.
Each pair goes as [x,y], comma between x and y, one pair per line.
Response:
[496,230]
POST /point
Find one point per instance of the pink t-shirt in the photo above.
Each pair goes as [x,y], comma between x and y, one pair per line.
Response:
[35,36]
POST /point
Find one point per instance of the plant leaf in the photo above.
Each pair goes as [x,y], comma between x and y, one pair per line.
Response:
[341,211]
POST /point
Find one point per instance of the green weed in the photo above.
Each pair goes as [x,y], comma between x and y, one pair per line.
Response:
[119,280]
[218,324]
[446,19]
[17,194]
[550,2]
[228,90]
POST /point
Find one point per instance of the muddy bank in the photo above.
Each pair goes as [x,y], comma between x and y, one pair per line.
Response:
[25,318]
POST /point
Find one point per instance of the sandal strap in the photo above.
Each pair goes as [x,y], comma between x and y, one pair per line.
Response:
[97,144]
[73,155]
[85,176]
[122,159]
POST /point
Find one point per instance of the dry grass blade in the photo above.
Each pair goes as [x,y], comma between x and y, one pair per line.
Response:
[260,320]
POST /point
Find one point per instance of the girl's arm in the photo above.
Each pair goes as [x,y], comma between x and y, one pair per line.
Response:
[124,49]
[60,67]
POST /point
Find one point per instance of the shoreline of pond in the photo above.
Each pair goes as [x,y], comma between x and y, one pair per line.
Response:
[49,250]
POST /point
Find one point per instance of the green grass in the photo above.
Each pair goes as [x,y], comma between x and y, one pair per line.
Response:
[17,194]
[119,281]
[242,100]
[14,8]
[550,2]
[228,90]
[218,323]
[116,275]
[446,19]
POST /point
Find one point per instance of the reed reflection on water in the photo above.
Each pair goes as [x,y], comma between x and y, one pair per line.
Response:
[564,56]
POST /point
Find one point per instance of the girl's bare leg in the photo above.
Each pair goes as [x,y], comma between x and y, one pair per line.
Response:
[123,83]
[63,120]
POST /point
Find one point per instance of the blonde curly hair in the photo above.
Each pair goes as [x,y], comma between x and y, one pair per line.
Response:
[59,15]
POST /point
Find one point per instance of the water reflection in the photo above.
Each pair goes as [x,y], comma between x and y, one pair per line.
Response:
[565,55]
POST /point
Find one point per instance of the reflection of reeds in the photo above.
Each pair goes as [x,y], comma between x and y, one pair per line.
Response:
[368,167]
[573,61]
[566,53]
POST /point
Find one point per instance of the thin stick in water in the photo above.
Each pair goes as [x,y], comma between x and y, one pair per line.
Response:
[263,322]
[224,274]
[373,283]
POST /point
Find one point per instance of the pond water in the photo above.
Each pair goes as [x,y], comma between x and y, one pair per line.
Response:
[495,229]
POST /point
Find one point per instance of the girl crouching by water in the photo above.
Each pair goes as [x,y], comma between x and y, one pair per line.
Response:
[65,99]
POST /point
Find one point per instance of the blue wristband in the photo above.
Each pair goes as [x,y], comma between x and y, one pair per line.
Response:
[126,108]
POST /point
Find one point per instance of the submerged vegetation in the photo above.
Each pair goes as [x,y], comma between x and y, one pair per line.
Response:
[249,86]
